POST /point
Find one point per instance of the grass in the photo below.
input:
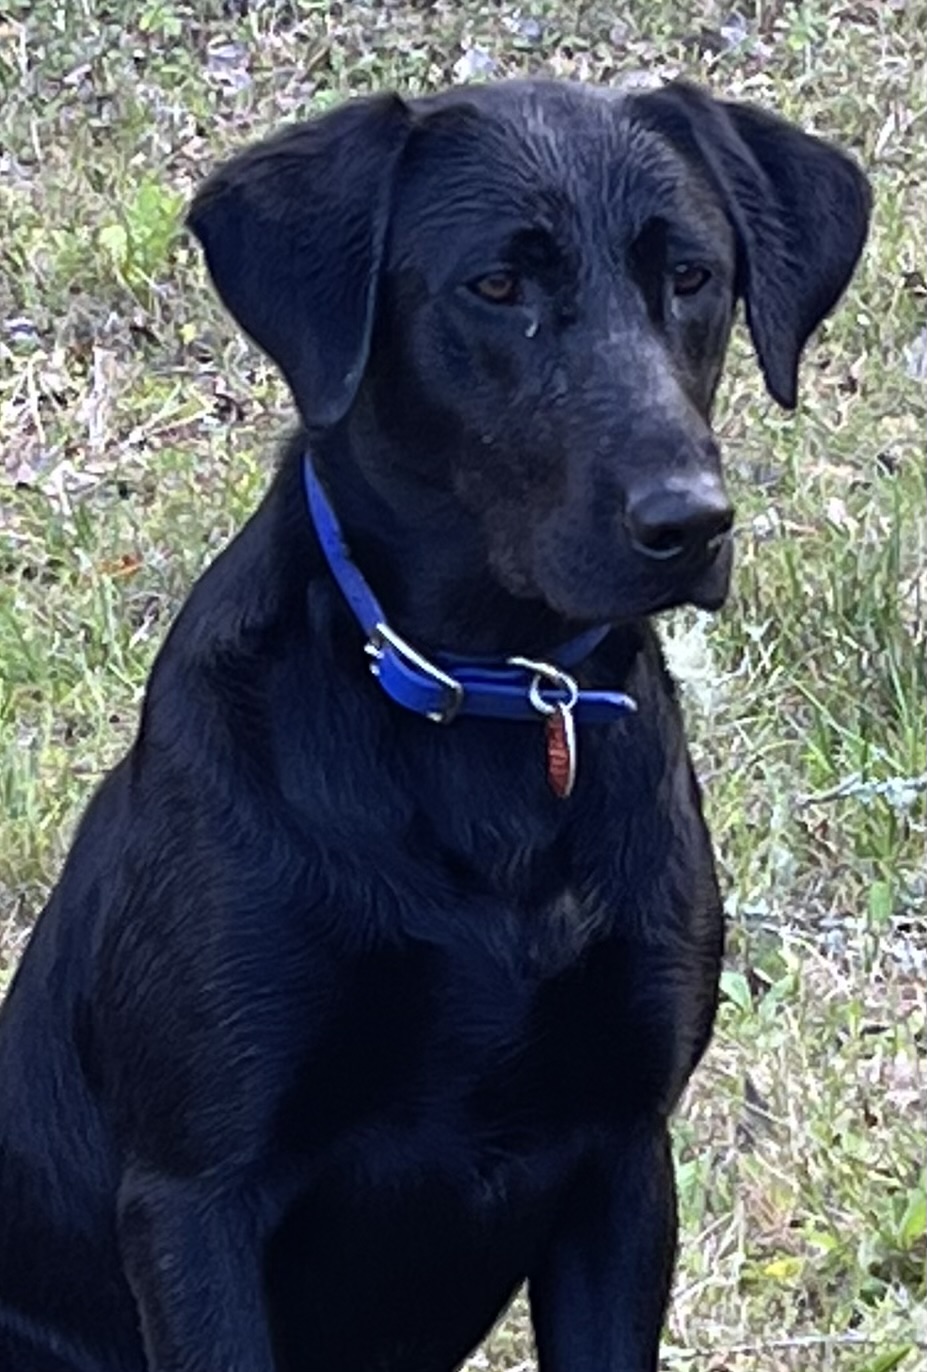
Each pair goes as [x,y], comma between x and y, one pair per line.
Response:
[137,431]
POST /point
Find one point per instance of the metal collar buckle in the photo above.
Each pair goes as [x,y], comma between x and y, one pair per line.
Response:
[382,633]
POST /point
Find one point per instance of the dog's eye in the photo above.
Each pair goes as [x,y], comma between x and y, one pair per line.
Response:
[499,288]
[689,278]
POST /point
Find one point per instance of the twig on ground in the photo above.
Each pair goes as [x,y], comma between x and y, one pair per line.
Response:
[796,1341]
[899,791]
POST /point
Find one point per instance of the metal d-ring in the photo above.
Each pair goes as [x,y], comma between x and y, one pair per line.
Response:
[554,676]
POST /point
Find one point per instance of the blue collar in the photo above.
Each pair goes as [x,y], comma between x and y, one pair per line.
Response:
[443,686]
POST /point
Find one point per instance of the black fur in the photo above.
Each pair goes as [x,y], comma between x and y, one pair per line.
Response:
[339,1025]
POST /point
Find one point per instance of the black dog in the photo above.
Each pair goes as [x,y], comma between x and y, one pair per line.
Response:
[343,1022]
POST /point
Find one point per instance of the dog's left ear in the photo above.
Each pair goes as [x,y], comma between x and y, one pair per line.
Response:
[798,205]
[293,231]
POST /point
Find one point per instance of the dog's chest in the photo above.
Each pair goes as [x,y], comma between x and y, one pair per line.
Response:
[492,1024]
[504,1027]
[443,1116]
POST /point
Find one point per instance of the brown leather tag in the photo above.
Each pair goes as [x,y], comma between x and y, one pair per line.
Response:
[561,752]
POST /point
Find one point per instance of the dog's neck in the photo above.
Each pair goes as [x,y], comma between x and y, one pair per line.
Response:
[425,559]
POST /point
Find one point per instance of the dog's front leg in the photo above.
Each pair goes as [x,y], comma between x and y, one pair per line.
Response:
[192,1257]
[599,1298]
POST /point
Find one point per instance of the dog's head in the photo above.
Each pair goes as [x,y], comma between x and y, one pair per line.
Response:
[529,287]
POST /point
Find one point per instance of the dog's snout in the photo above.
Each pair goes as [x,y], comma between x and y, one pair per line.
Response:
[682,515]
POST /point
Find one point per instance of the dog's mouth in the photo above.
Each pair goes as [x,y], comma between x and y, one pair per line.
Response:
[639,587]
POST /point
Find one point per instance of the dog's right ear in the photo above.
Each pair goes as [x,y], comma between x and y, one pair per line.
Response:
[293,231]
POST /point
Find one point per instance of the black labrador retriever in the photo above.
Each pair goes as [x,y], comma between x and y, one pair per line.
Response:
[366,995]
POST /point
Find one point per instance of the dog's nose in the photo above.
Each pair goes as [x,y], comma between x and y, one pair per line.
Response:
[678,516]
